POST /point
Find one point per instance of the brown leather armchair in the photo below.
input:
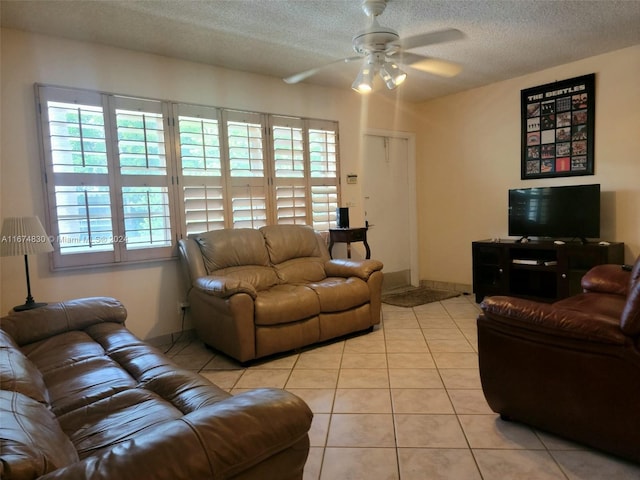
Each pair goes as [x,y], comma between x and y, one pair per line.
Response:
[571,368]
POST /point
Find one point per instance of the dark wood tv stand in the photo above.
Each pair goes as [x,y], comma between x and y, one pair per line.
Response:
[539,270]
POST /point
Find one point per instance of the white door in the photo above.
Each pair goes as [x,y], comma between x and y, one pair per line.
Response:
[389,204]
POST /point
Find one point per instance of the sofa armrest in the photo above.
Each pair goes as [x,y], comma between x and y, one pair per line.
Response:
[352,268]
[33,325]
[547,319]
[191,259]
[606,278]
[224,287]
[219,441]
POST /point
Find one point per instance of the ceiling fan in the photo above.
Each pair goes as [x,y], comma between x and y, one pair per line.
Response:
[383,49]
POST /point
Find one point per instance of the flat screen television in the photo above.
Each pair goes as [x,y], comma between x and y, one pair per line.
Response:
[571,211]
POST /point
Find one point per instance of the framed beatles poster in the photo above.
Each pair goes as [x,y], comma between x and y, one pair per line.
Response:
[557,128]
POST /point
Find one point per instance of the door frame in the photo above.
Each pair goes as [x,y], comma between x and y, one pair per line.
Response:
[413,198]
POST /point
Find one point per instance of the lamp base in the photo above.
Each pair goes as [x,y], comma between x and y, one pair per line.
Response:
[28,306]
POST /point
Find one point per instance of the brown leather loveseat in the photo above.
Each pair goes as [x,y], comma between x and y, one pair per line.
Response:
[572,367]
[82,398]
[254,292]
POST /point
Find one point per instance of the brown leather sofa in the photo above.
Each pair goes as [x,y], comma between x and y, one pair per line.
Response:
[572,367]
[254,293]
[82,398]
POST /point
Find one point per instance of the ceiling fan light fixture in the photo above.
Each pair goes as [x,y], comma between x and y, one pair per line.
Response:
[364,81]
[392,75]
[381,46]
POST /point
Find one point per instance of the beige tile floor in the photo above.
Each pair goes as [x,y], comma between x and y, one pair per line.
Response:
[405,402]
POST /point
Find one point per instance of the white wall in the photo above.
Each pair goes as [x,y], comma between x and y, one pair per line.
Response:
[150,292]
[469,156]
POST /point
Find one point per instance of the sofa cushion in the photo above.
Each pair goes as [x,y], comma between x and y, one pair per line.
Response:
[301,270]
[285,304]
[31,325]
[259,277]
[18,374]
[59,351]
[68,363]
[232,248]
[338,294]
[607,304]
[32,442]
[606,278]
[127,414]
[285,242]
[77,386]
[186,390]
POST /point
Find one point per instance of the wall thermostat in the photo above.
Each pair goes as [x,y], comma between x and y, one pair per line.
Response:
[352,178]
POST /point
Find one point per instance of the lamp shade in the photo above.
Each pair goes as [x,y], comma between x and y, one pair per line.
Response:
[392,75]
[23,236]
[364,81]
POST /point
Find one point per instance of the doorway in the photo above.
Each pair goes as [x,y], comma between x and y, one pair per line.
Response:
[389,192]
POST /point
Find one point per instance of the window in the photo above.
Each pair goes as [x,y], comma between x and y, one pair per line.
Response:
[79,187]
[200,178]
[142,179]
[126,177]
[323,152]
[248,177]
[290,171]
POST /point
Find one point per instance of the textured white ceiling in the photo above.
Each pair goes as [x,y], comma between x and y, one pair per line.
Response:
[504,38]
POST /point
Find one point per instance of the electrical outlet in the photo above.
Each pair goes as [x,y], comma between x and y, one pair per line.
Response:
[182,307]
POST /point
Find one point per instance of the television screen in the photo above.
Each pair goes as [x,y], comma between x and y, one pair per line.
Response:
[571,211]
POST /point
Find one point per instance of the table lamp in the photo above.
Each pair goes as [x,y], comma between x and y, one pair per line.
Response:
[24,236]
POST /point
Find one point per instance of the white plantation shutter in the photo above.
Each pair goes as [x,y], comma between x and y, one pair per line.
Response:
[323,139]
[84,219]
[288,147]
[144,181]
[203,208]
[324,178]
[291,204]
[201,176]
[245,144]
[291,189]
[247,180]
[79,190]
[126,177]
[325,202]
[147,218]
[77,135]
[249,206]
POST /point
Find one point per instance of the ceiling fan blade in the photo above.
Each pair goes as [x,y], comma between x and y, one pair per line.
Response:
[298,77]
[435,66]
[431,38]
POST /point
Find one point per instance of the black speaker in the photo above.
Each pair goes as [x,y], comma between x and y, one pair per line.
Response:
[342,217]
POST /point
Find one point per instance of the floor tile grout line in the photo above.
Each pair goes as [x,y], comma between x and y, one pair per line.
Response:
[549,452]
[392,403]
[452,403]
[464,433]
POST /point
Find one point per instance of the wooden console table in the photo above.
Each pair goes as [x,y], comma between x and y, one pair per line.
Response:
[348,235]
[539,270]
